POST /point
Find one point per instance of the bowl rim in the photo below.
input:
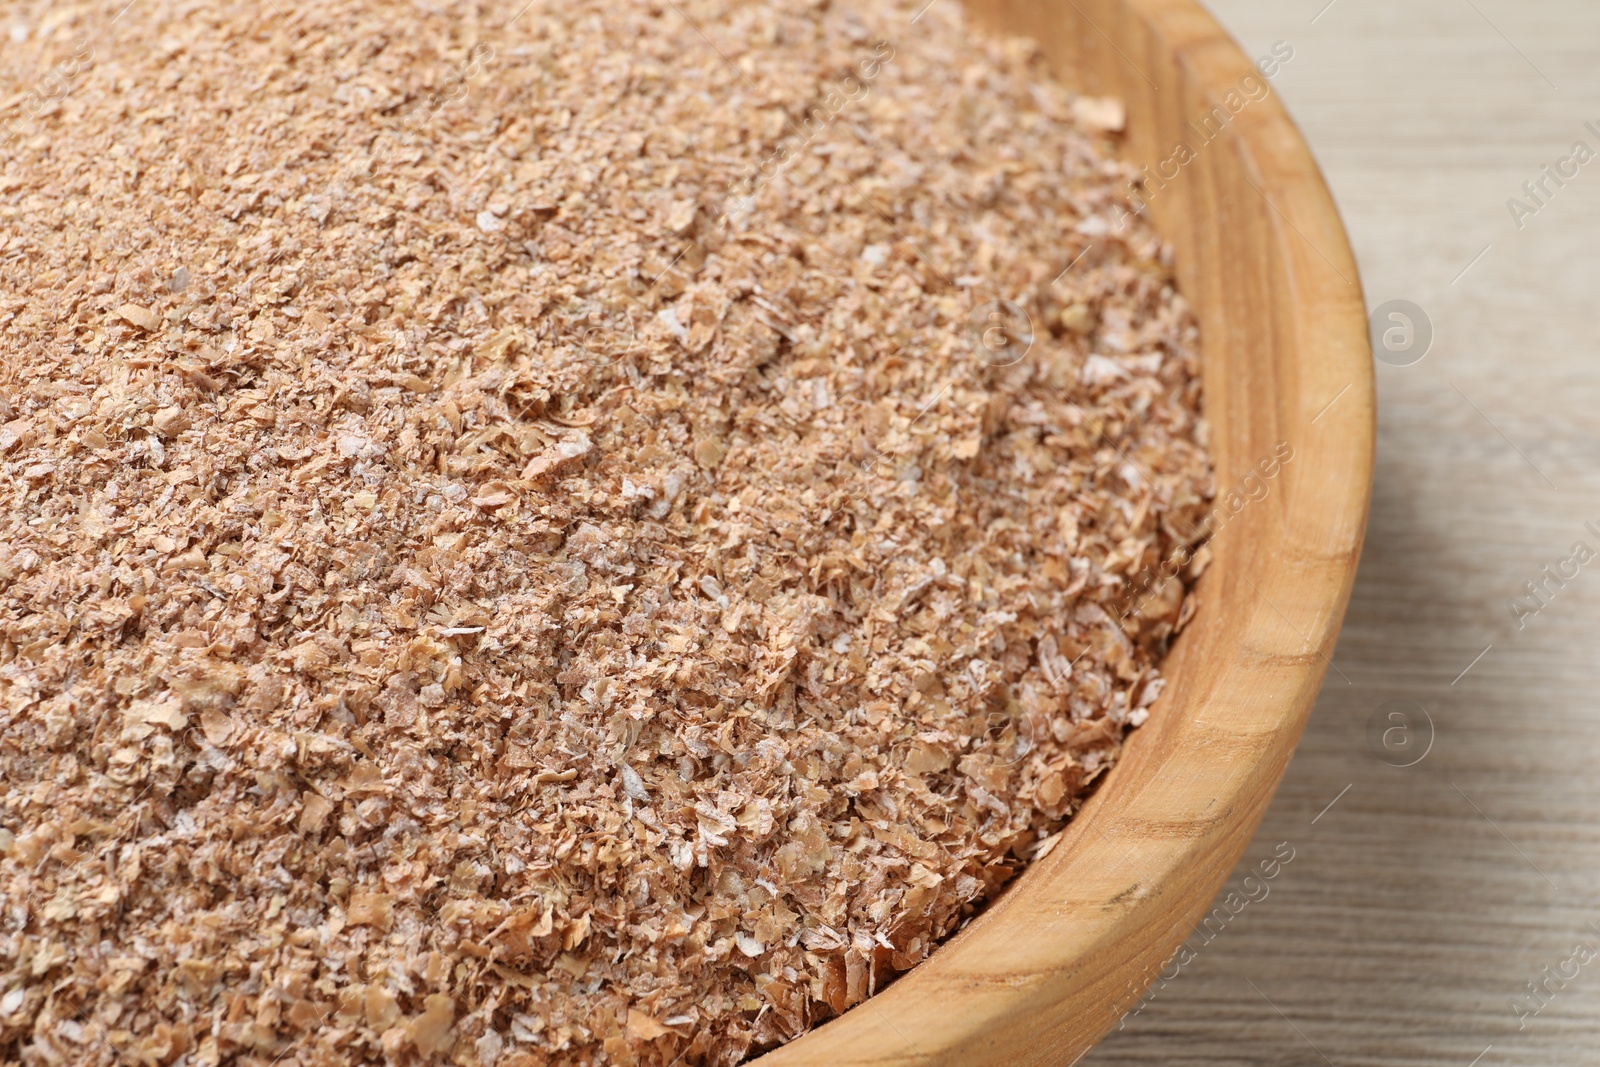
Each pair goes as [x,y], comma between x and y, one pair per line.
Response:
[1050,965]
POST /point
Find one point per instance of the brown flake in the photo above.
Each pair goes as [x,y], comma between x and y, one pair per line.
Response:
[430,1032]
[643,1027]
[141,317]
[368,908]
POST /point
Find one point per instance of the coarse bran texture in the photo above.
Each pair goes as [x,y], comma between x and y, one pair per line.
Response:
[588,536]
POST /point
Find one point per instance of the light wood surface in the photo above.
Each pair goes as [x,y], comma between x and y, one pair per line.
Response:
[1262,257]
[1424,901]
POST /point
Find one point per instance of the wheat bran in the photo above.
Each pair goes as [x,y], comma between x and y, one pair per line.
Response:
[595,535]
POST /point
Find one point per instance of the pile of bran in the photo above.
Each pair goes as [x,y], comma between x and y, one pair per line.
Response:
[589,534]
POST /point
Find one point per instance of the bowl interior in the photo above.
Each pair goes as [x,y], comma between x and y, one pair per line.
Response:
[1264,261]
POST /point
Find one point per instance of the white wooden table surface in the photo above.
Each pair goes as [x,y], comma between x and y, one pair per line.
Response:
[1421,905]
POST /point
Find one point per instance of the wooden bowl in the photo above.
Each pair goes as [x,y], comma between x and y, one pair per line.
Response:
[1050,966]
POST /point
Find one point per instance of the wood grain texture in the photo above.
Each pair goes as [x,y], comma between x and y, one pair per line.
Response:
[1262,257]
[1422,903]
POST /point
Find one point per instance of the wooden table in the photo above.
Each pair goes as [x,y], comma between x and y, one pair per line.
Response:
[1422,901]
